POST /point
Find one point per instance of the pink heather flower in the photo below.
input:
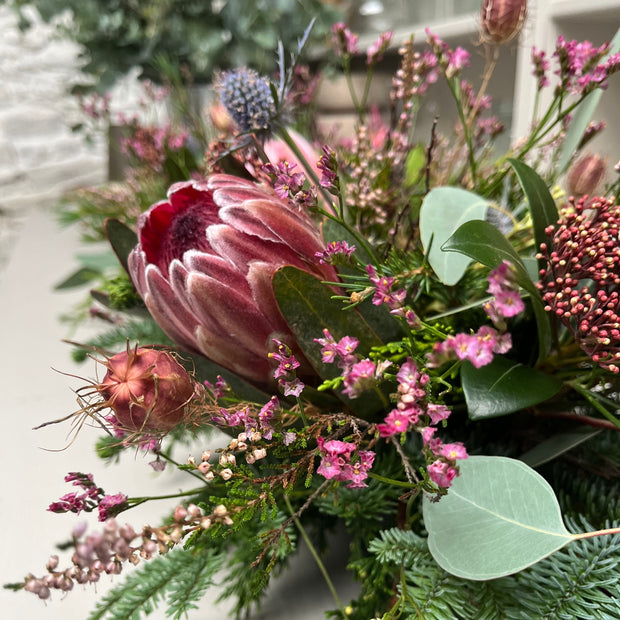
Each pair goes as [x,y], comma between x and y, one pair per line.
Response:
[330,466]
[359,377]
[111,505]
[541,67]
[441,473]
[457,60]
[204,263]
[293,387]
[288,437]
[377,49]
[336,447]
[464,345]
[509,303]
[500,278]
[356,473]
[345,42]
[265,416]
[328,166]
[329,346]
[219,389]
[334,251]
[428,434]
[341,350]
[396,422]
[278,151]
[452,451]
[437,413]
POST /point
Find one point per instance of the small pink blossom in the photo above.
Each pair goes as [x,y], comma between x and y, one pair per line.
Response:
[441,473]
[437,413]
[396,422]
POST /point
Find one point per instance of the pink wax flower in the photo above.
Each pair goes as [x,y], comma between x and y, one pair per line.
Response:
[204,263]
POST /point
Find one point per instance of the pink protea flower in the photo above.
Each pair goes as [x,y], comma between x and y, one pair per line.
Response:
[204,263]
[147,389]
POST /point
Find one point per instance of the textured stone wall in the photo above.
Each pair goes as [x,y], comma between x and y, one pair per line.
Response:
[40,158]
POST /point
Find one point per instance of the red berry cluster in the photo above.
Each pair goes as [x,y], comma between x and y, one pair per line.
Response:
[581,282]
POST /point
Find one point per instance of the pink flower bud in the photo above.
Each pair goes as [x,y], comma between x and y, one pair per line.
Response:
[147,389]
[586,174]
[204,264]
[502,20]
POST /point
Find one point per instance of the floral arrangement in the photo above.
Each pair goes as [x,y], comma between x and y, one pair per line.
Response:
[415,340]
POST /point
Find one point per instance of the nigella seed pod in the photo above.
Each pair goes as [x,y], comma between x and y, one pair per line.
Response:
[204,264]
[147,389]
[586,175]
[502,20]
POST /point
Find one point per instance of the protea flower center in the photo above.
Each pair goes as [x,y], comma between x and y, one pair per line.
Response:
[147,389]
[204,265]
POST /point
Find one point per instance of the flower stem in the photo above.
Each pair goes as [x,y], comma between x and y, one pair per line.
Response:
[315,555]
[135,501]
[395,483]
[592,400]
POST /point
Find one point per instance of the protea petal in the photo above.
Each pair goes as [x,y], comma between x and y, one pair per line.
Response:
[204,265]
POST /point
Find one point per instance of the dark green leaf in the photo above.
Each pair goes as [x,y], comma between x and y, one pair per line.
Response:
[557,445]
[122,239]
[542,206]
[503,387]
[484,243]
[307,306]
[78,278]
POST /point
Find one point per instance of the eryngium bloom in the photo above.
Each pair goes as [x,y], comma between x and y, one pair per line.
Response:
[204,264]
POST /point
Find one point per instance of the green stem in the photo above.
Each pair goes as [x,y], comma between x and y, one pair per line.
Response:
[391,481]
[315,555]
[453,85]
[136,501]
[592,400]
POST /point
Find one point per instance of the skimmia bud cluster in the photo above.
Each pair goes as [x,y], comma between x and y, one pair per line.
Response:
[581,282]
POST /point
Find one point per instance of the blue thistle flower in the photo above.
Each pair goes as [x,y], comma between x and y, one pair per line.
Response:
[247,98]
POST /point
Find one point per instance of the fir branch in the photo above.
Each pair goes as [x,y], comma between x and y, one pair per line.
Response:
[179,577]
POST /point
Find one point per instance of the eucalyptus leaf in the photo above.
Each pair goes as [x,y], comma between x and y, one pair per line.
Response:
[483,242]
[122,239]
[541,203]
[504,386]
[443,210]
[498,518]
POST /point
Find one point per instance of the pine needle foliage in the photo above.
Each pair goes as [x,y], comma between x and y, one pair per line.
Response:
[577,583]
[179,578]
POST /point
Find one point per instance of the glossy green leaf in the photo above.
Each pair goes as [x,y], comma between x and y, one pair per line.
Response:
[307,306]
[122,239]
[499,387]
[557,445]
[443,210]
[498,518]
[483,242]
[582,117]
[541,203]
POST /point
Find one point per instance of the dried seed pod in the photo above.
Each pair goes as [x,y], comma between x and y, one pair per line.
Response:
[502,20]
